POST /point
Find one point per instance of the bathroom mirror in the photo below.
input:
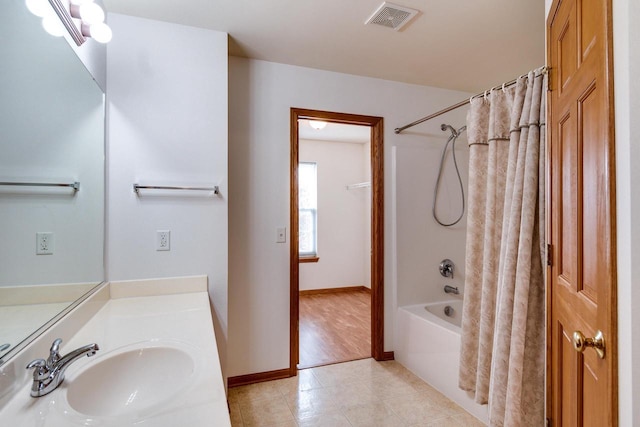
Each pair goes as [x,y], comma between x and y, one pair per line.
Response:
[51,133]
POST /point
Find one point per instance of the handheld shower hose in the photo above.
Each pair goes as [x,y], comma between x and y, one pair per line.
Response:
[453,137]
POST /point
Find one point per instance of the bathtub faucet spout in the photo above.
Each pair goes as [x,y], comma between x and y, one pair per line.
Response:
[451,290]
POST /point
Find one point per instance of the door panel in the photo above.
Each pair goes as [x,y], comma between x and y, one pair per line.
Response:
[590,139]
[567,209]
[581,278]
[568,370]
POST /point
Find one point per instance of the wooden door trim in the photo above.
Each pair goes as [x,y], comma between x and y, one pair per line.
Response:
[377,229]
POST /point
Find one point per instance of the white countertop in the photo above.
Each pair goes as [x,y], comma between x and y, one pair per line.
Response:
[182,319]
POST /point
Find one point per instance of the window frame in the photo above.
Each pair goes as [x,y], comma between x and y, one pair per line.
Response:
[311,255]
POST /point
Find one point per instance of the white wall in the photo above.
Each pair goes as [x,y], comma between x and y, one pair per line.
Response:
[366,243]
[262,94]
[342,215]
[167,115]
[626,34]
[421,242]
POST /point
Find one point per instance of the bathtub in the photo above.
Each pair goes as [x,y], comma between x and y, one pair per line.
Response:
[428,344]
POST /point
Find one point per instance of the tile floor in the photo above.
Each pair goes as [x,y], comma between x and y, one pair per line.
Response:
[359,393]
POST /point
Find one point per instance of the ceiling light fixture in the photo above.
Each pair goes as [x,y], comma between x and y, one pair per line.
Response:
[317,124]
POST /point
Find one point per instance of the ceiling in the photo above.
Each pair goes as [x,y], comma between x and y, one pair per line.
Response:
[466,45]
[335,132]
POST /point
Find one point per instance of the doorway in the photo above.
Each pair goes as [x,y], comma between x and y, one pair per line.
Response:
[375,128]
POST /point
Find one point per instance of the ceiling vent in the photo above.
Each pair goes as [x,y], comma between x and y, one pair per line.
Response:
[392,16]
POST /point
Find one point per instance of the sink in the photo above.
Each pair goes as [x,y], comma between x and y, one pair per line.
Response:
[131,380]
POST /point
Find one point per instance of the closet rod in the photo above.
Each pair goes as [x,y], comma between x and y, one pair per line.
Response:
[539,72]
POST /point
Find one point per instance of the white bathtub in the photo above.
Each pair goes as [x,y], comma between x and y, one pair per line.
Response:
[428,344]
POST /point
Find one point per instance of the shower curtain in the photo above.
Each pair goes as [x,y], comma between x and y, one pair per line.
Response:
[503,322]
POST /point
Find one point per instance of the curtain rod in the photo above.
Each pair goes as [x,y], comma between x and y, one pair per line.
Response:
[539,72]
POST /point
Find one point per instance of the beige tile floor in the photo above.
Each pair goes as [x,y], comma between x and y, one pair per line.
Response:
[359,393]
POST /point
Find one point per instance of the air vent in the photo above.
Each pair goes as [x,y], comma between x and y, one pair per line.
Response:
[392,16]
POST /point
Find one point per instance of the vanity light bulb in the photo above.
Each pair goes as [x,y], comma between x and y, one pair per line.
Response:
[53,26]
[79,2]
[99,32]
[91,13]
[39,8]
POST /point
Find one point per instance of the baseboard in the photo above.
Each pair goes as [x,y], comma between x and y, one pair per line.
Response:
[388,355]
[257,377]
[334,290]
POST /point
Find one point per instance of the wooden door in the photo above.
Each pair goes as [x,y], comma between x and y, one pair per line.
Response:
[582,386]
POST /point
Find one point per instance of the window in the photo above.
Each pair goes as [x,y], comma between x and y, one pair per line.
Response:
[307,209]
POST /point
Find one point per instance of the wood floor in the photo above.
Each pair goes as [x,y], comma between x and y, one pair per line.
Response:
[334,327]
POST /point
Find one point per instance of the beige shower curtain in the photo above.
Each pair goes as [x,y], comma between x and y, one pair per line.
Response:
[503,330]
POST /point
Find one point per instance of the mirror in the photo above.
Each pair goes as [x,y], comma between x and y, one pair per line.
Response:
[51,132]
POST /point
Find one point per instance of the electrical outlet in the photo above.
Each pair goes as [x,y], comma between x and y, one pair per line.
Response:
[281,235]
[163,240]
[44,243]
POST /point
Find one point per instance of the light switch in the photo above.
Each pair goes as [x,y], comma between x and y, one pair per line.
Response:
[281,235]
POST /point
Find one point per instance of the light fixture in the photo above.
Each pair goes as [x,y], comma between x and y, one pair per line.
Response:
[40,8]
[317,124]
[99,32]
[89,13]
[53,26]
[82,18]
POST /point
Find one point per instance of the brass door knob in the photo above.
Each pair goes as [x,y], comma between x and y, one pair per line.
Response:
[597,343]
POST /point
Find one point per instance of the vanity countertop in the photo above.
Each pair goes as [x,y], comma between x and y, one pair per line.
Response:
[177,320]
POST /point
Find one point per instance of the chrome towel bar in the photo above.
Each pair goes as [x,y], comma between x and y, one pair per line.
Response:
[137,187]
[74,185]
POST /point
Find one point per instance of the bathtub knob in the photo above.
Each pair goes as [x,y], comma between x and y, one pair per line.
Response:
[446,268]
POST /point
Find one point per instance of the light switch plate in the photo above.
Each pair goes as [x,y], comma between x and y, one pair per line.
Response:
[281,235]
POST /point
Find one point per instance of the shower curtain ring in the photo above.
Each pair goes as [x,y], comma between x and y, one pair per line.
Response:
[503,89]
[485,96]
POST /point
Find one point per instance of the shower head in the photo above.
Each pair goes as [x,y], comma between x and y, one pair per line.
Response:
[454,133]
[444,127]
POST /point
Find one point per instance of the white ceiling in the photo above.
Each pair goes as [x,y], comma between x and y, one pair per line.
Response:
[467,45]
[335,132]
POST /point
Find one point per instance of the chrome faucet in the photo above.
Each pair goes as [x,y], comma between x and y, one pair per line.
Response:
[451,290]
[49,374]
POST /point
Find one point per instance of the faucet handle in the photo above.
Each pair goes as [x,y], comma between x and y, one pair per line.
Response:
[446,268]
[40,372]
[54,352]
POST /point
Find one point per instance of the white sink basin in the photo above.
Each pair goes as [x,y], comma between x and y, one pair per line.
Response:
[131,380]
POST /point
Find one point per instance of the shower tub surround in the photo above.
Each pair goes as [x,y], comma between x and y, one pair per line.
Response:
[144,314]
[428,344]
